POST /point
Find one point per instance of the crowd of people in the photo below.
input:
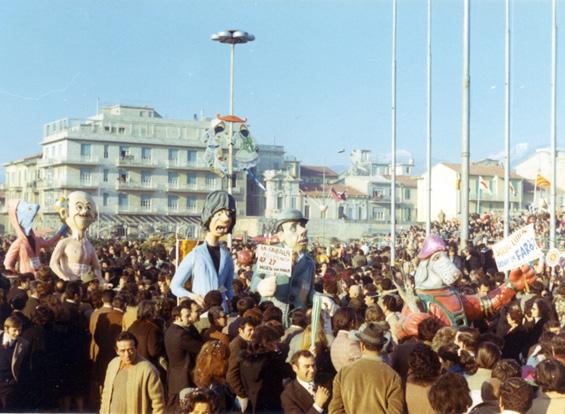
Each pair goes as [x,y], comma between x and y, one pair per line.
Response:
[65,343]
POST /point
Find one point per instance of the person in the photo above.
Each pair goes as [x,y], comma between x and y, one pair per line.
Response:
[217,318]
[210,372]
[344,349]
[294,291]
[353,382]
[107,298]
[14,365]
[198,401]
[450,394]
[132,383]
[303,395]
[150,337]
[423,369]
[516,396]
[550,376]
[488,354]
[75,256]
[182,344]
[209,266]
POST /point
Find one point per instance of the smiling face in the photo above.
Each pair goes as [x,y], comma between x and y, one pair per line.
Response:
[221,223]
[81,211]
[294,235]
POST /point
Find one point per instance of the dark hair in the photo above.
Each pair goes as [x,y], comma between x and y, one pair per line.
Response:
[550,375]
[214,314]
[423,364]
[248,320]
[298,354]
[298,318]
[506,368]
[389,302]
[126,336]
[13,322]
[488,354]
[244,304]
[73,289]
[515,313]
[262,336]
[107,296]
[428,328]
[147,310]
[558,344]
[200,395]
[212,298]
[516,394]
[42,315]
[374,313]
[344,319]
[119,302]
[469,338]
[450,394]
[272,314]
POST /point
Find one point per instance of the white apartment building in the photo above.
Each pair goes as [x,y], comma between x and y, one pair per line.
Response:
[146,173]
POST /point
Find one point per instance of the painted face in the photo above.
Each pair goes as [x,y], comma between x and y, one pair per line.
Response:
[25,213]
[221,223]
[294,235]
[305,369]
[82,211]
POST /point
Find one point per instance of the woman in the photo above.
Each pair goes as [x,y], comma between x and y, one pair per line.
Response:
[210,372]
[218,321]
[539,313]
[423,369]
[198,401]
[344,348]
[262,370]
[515,334]
[488,354]
[450,394]
[550,376]
[149,335]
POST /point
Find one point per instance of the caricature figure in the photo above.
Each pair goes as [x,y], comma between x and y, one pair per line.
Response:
[26,248]
[296,291]
[209,266]
[75,257]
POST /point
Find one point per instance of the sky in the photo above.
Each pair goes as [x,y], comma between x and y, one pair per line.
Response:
[316,79]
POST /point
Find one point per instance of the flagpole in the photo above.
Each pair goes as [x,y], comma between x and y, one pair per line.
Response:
[553,183]
[465,129]
[393,149]
[429,126]
[479,195]
[507,122]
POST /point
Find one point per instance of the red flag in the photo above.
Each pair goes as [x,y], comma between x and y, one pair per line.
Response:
[334,194]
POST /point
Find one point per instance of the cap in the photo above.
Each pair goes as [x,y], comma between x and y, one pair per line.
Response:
[290,215]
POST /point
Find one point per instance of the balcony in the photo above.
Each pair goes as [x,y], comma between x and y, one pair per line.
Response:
[183,188]
[82,160]
[184,165]
[132,162]
[181,211]
[135,186]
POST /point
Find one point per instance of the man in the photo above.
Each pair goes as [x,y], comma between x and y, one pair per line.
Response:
[516,396]
[182,344]
[14,361]
[368,385]
[107,298]
[296,291]
[132,384]
[20,288]
[209,266]
[36,290]
[239,343]
[302,395]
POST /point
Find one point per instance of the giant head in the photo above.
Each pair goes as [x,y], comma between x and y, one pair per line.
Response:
[25,213]
[79,212]
[291,229]
[218,214]
[435,269]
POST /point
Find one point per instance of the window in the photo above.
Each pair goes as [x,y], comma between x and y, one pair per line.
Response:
[173,203]
[191,181]
[146,178]
[378,214]
[85,151]
[279,203]
[121,130]
[123,176]
[173,156]
[85,175]
[211,182]
[408,214]
[105,199]
[293,203]
[145,202]
[191,204]
[106,150]
[407,194]
[105,175]
[123,200]
[146,154]
[173,179]
[191,157]
[125,153]
[307,211]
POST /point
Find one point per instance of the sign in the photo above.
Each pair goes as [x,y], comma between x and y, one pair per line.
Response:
[274,260]
[552,258]
[517,249]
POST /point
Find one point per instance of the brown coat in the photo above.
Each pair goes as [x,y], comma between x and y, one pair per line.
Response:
[92,327]
[296,400]
[367,385]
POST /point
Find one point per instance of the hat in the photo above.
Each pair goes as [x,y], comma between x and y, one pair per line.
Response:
[216,201]
[373,334]
[432,244]
[290,215]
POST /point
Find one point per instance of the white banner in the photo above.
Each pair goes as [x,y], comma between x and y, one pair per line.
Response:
[517,249]
[274,260]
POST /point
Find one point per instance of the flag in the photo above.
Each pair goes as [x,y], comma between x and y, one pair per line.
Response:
[542,182]
[458,182]
[483,185]
[338,196]
[511,188]
[256,180]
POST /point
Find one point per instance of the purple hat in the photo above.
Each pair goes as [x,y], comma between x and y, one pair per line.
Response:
[432,244]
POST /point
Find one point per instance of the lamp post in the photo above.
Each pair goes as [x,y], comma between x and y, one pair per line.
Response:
[231,37]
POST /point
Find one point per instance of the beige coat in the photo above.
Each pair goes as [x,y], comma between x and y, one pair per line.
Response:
[367,385]
[548,403]
[145,392]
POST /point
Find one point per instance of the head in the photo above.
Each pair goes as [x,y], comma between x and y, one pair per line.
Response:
[423,364]
[25,213]
[211,363]
[217,317]
[264,339]
[436,271]
[12,327]
[516,395]
[488,354]
[550,376]
[372,338]
[199,401]
[218,213]
[193,311]
[247,328]
[126,348]
[304,365]
[79,212]
[450,394]
[291,229]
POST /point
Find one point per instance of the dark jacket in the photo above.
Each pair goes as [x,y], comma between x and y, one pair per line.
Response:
[20,358]
[296,400]
[149,340]
[233,378]
[262,376]
[182,346]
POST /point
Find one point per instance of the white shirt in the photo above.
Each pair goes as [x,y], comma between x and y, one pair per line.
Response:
[309,386]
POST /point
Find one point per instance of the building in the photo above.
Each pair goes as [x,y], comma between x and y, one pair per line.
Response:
[147,173]
[446,192]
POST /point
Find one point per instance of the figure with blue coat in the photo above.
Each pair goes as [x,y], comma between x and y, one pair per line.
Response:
[209,266]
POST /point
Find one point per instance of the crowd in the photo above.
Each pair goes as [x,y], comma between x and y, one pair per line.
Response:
[64,343]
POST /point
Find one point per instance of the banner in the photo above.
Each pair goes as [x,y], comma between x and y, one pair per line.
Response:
[517,249]
[274,260]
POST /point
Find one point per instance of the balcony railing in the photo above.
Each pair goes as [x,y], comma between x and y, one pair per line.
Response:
[131,161]
[139,186]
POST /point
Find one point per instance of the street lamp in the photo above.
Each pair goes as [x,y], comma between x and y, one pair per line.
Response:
[231,37]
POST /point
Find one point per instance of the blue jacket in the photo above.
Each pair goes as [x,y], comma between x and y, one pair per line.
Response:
[199,266]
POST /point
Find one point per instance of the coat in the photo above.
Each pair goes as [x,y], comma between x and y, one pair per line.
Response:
[92,328]
[296,400]
[20,357]
[550,402]
[149,340]
[367,386]
[233,377]
[182,346]
[144,388]
[108,327]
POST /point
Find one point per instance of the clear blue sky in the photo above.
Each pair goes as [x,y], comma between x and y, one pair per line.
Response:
[317,78]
